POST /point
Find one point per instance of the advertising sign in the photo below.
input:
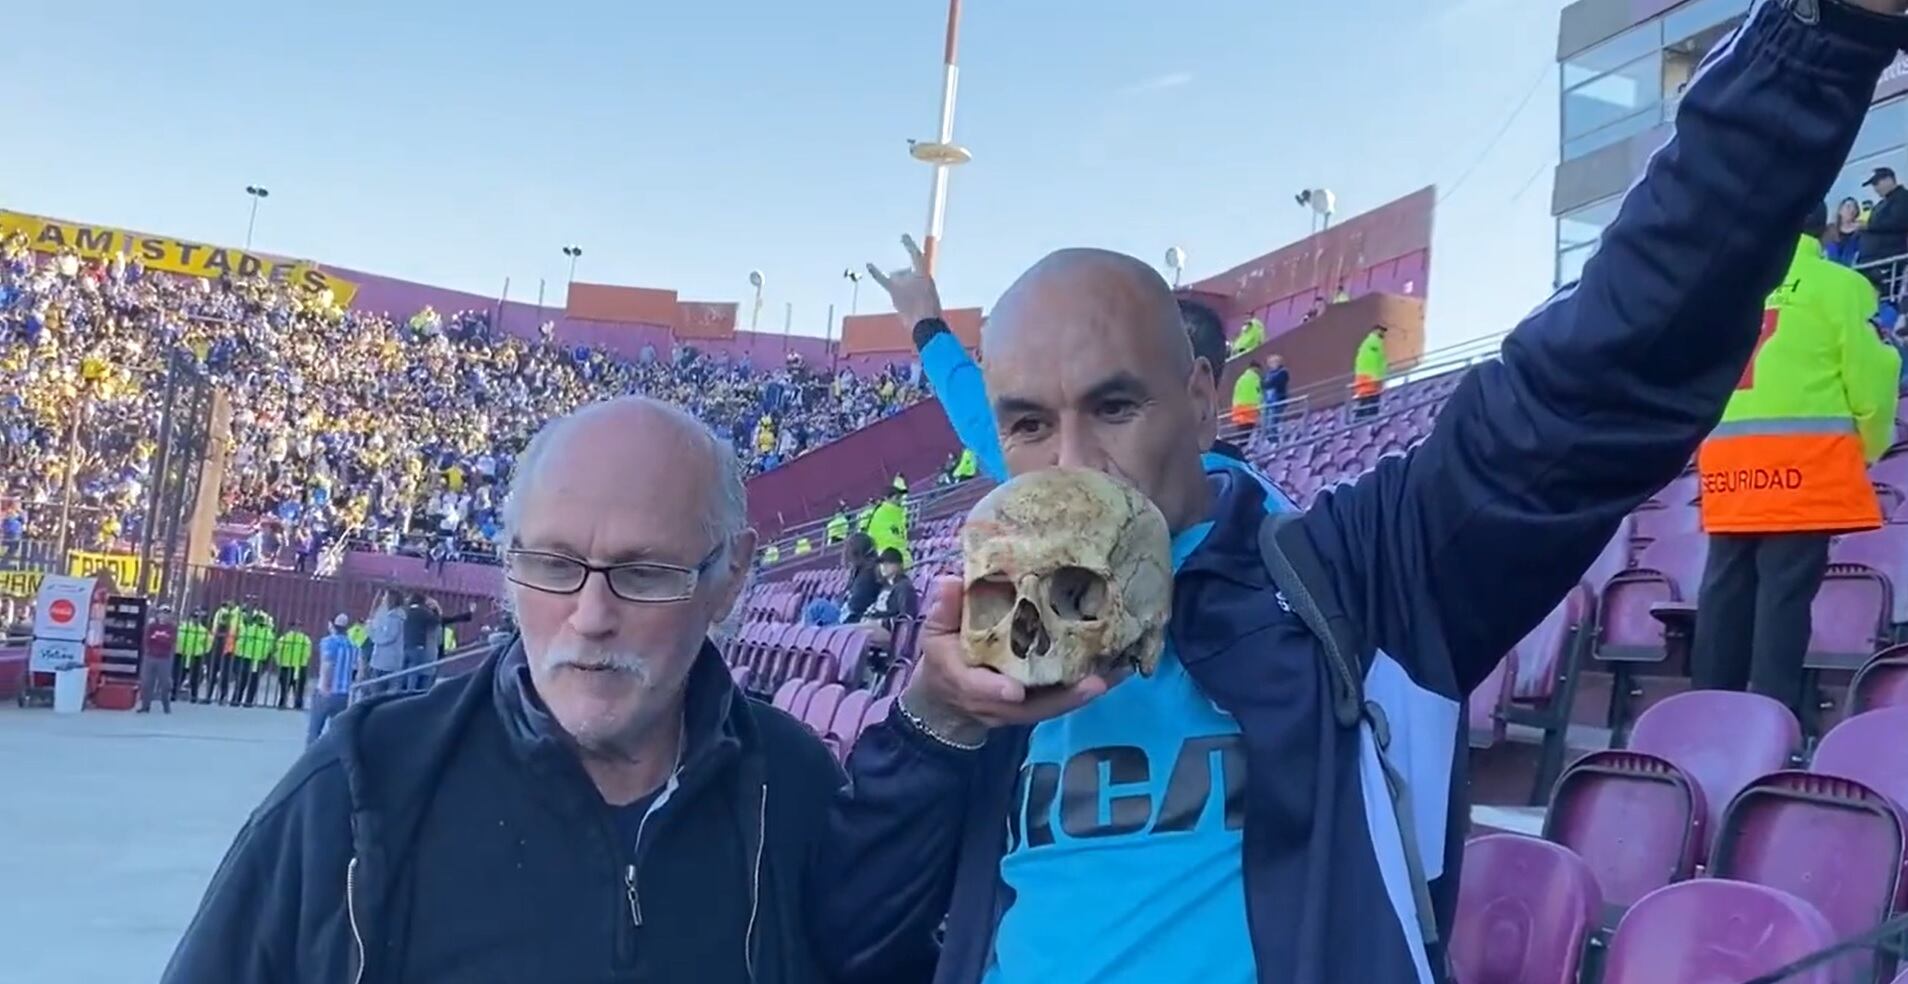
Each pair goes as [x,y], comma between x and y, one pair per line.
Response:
[64,609]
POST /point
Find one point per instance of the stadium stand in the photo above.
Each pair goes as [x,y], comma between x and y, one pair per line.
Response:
[347,424]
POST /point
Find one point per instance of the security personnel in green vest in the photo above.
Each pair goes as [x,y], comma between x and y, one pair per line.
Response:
[253,648]
[888,523]
[450,641]
[1250,337]
[837,530]
[195,644]
[219,670]
[291,654]
[967,466]
[771,554]
[802,546]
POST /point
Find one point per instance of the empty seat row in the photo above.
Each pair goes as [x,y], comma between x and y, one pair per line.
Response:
[835,714]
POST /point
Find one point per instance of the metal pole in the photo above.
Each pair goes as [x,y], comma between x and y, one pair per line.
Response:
[72,465]
[950,82]
[156,486]
[854,297]
[251,223]
[834,348]
[756,315]
[573,259]
[788,325]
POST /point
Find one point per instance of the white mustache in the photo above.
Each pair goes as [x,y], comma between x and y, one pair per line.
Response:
[620,661]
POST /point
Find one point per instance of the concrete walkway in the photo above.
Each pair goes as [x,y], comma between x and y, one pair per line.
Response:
[111,824]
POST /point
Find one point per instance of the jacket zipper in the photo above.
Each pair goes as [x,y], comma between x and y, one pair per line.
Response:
[351,916]
[755,883]
[635,903]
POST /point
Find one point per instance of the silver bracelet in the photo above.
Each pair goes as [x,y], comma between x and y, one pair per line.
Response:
[914,721]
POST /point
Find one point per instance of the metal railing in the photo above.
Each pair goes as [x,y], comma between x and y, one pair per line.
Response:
[370,685]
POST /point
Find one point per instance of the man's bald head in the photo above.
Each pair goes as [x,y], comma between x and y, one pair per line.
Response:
[636,443]
[1088,365]
[1100,286]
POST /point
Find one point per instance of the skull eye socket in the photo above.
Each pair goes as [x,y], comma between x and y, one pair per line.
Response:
[989,600]
[1077,594]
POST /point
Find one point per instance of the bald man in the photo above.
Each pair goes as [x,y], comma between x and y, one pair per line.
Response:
[596,802]
[1282,799]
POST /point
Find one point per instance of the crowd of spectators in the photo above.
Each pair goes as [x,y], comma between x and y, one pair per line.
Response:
[397,432]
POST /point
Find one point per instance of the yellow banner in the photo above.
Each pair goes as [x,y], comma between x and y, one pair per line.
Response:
[124,569]
[20,584]
[172,255]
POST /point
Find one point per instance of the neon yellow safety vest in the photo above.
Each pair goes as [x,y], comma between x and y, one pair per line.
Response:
[1368,367]
[888,527]
[1250,337]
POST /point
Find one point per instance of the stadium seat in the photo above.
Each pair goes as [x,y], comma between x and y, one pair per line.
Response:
[1668,572]
[845,726]
[804,693]
[877,712]
[740,675]
[820,712]
[1713,931]
[1483,708]
[1881,682]
[1832,841]
[1722,739]
[1526,909]
[1543,684]
[1636,820]
[785,695]
[1850,749]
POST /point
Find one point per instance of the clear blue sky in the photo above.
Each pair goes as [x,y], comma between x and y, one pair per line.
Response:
[683,143]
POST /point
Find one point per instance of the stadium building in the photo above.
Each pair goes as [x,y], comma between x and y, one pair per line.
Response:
[1624,65]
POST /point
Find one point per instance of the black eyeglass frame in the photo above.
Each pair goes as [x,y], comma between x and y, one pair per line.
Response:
[693,575]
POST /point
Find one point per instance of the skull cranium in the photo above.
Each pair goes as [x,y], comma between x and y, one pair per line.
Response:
[1068,572]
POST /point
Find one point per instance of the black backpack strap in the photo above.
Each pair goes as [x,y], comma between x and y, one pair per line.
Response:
[1306,586]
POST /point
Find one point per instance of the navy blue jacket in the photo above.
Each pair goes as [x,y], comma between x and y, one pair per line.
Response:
[451,836]
[1444,557]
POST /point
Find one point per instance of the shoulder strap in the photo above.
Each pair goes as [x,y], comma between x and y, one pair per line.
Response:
[1306,586]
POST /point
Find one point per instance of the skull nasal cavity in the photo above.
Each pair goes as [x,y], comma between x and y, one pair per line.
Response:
[1077,594]
[1030,637]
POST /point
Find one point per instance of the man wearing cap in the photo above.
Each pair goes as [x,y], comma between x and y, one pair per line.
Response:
[1886,235]
[337,658]
[155,659]
[1368,374]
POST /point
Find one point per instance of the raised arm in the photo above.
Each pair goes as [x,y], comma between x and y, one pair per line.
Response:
[952,373]
[1604,393]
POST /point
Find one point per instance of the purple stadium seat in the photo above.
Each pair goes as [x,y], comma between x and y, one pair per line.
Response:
[1666,521]
[804,693]
[1892,500]
[1525,910]
[1614,559]
[1891,470]
[1870,748]
[1668,570]
[1881,682]
[1482,706]
[1883,551]
[740,674]
[1681,491]
[1637,820]
[845,726]
[1543,655]
[877,712]
[785,694]
[1713,931]
[1832,841]
[820,712]
[1722,739]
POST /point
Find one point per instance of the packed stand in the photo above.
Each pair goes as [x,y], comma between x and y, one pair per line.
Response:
[346,424]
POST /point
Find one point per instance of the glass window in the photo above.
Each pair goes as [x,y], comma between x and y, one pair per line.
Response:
[1615,132]
[1703,17]
[1885,129]
[1608,56]
[1618,95]
[1583,226]
[1570,263]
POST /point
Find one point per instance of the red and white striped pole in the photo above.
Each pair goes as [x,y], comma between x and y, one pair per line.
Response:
[944,152]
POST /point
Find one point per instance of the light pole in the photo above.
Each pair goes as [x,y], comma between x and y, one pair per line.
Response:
[574,253]
[259,193]
[1322,203]
[756,281]
[853,276]
[942,152]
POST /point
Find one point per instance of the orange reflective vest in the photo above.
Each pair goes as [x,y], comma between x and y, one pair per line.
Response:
[1814,407]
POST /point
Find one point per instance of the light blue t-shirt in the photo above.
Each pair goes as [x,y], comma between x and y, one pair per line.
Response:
[1124,840]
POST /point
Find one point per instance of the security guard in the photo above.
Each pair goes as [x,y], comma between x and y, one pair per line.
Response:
[888,522]
[1368,374]
[1248,392]
[291,655]
[1786,469]
[837,530]
[249,653]
[1250,337]
[967,466]
[195,645]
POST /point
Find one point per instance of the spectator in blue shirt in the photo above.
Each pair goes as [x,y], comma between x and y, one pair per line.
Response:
[337,663]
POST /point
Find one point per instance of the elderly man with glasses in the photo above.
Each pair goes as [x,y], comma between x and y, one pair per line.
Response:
[597,802]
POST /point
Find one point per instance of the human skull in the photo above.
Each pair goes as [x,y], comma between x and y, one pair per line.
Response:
[1068,573]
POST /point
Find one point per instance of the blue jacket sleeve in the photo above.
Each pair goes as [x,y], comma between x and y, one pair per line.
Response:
[891,854]
[958,385]
[1603,394]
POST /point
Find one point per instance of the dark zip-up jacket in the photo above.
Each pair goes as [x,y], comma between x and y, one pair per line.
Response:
[452,837]
[1440,559]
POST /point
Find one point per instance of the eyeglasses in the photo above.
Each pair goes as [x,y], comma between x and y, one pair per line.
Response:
[643,581]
